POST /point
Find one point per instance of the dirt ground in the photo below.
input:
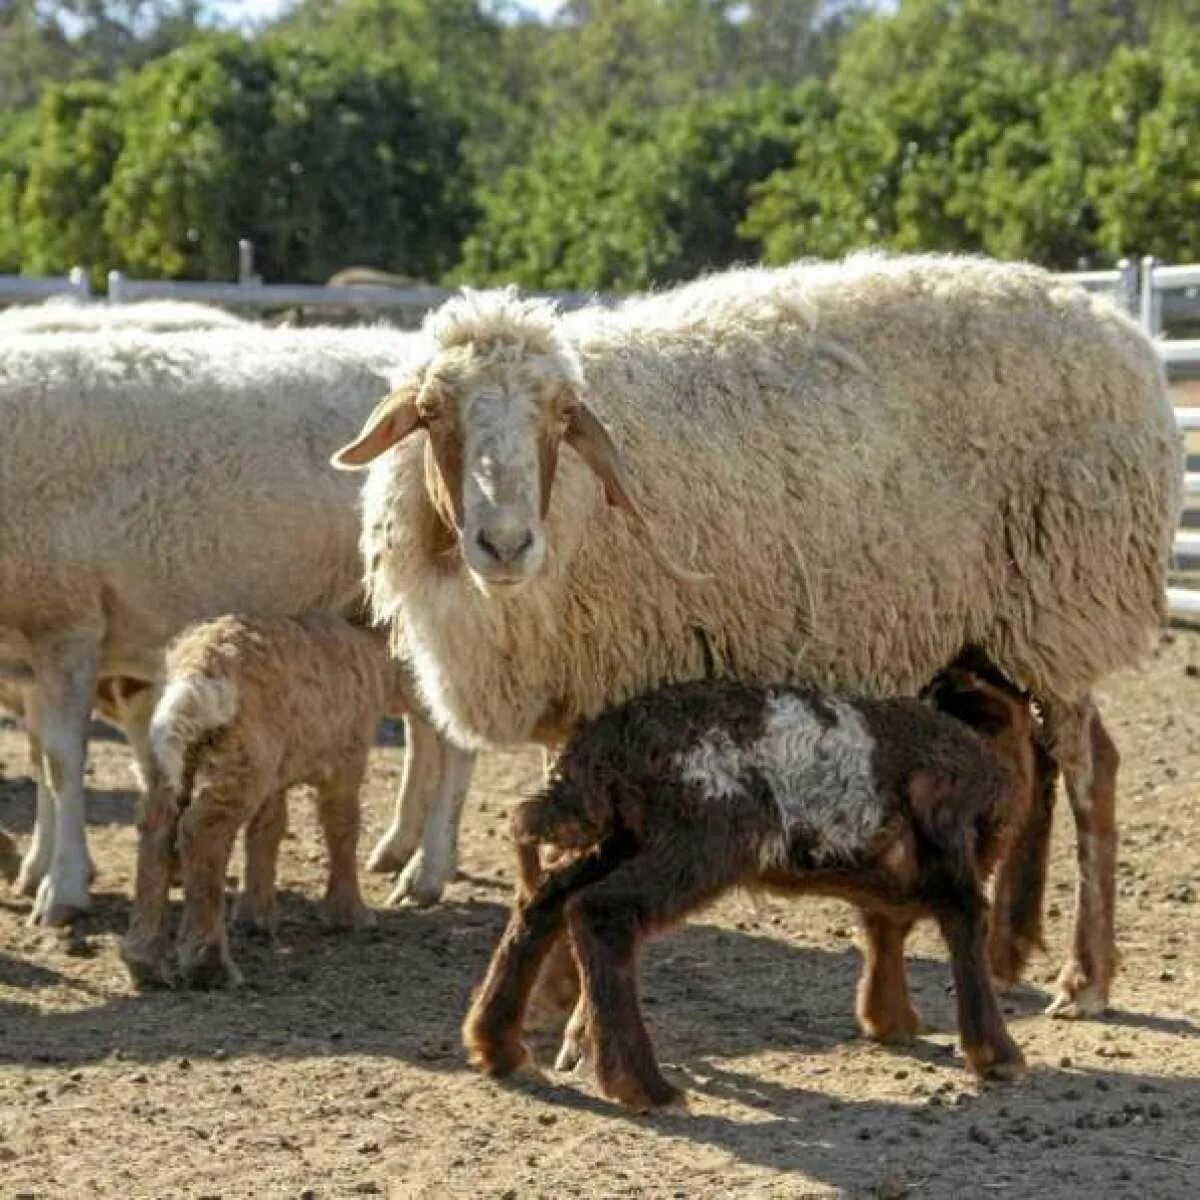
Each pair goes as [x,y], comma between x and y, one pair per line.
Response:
[337,1071]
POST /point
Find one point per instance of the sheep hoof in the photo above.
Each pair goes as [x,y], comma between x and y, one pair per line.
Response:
[415,888]
[29,877]
[388,857]
[57,904]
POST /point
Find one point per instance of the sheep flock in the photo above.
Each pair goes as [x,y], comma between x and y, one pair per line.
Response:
[803,579]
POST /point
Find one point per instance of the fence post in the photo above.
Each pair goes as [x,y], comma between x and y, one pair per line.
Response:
[246,276]
[1128,285]
[116,287]
[1151,307]
[79,284]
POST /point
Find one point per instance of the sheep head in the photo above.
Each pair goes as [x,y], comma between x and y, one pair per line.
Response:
[497,400]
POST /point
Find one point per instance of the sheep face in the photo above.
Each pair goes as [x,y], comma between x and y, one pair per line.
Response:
[495,425]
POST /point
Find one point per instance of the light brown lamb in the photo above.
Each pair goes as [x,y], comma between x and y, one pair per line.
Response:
[252,707]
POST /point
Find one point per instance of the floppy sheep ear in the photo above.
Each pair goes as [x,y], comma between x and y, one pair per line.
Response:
[390,422]
[590,440]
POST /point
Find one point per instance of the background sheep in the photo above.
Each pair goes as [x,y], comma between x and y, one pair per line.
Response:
[198,484]
[57,315]
[878,463]
[250,708]
[673,798]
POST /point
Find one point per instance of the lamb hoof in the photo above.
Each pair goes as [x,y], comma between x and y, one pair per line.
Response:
[1008,958]
[343,916]
[254,921]
[662,1097]
[1004,1062]
[1078,997]
[388,857]
[496,1057]
[207,969]
[571,1058]
[148,966]
[898,1029]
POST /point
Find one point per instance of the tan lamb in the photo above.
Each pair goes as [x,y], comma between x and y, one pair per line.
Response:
[252,707]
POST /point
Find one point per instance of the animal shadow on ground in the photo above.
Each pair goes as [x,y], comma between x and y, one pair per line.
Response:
[399,992]
[102,806]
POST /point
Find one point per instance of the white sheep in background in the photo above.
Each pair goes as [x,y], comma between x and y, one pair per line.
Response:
[251,707]
[59,315]
[66,314]
[878,464]
[149,480]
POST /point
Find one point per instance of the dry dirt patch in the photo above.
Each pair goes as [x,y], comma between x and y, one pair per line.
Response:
[337,1072]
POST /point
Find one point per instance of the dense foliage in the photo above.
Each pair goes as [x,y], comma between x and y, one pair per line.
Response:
[623,143]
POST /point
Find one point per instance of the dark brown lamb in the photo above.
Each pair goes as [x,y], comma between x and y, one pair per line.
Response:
[664,803]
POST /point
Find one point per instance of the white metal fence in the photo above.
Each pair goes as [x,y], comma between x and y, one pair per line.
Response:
[1161,297]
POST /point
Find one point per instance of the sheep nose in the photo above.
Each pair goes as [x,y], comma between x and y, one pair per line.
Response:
[505,546]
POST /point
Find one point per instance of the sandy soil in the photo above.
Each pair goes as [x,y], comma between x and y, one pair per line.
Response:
[337,1071]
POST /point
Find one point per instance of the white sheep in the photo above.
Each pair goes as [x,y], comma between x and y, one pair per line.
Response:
[68,315]
[251,707]
[151,480]
[59,315]
[878,464]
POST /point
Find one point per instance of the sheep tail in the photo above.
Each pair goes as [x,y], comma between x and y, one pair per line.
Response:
[190,709]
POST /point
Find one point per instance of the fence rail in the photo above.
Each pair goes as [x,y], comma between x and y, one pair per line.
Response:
[1157,295]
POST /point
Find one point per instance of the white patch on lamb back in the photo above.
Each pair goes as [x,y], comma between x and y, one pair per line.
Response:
[189,709]
[820,775]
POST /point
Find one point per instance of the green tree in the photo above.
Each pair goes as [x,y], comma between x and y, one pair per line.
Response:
[318,158]
[75,142]
[964,125]
[16,140]
[628,201]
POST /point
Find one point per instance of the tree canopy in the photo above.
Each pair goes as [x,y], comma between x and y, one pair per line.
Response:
[621,144]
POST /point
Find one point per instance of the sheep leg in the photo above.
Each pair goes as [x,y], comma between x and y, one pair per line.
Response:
[257,910]
[1016,929]
[493,1026]
[884,1007]
[36,863]
[146,945]
[338,809]
[986,1043]
[65,670]
[606,922]
[432,867]
[422,763]
[1088,760]
[207,831]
